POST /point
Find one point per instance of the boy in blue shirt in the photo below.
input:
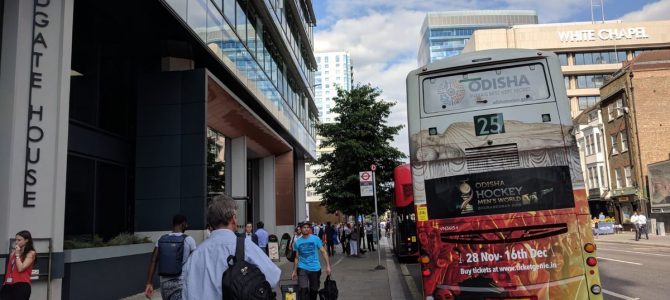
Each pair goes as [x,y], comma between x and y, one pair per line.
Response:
[307,266]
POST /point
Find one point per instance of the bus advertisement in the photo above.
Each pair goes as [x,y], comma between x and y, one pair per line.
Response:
[500,198]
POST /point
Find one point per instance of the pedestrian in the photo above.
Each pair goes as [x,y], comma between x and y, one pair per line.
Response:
[331,238]
[170,253]
[16,285]
[601,217]
[369,236]
[204,270]
[633,219]
[353,242]
[249,233]
[346,231]
[315,229]
[594,226]
[307,267]
[262,236]
[641,226]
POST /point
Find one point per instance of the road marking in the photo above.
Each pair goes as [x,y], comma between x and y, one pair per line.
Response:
[636,252]
[613,294]
[621,261]
[409,280]
[338,261]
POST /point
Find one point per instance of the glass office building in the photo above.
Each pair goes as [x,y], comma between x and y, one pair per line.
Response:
[445,34]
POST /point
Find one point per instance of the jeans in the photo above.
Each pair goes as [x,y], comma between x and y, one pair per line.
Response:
[637,231]
[309,282]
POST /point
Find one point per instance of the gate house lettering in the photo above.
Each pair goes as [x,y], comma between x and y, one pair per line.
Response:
[35,133]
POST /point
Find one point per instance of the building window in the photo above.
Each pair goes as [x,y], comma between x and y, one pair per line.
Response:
[596,177]
[611,113]
[566,79]
[605,57]
[593,116]
[619,179]
[591,81]
[563,58]
[618,107]
[628,174]
[590,147]
[602,177]
[624,141]
[597,142]
[587,101]
[613,143]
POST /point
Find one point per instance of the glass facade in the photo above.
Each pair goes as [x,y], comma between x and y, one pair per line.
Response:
[238,37]
[446,34]
[591,81]
[587,101]
[605,57]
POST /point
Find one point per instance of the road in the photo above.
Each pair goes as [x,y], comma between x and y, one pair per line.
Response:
[627,272]
[634,271]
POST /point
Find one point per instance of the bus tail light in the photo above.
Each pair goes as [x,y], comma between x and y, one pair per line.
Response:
[590,248]
[596,289]
[426,273]
[424,259]
[591,261]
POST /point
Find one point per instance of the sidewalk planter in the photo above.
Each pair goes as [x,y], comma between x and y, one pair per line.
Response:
[115,271]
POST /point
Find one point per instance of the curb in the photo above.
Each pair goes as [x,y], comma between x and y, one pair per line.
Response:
[634,243]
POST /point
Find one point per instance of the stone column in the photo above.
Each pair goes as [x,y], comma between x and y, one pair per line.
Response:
[34,113]
[267,201]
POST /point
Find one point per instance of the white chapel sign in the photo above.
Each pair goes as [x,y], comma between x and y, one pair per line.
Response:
[605,34]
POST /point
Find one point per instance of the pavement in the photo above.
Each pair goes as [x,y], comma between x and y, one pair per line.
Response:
[627,237]
[356,277]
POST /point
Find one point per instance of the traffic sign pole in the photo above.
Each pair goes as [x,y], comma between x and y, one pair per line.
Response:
[376,220]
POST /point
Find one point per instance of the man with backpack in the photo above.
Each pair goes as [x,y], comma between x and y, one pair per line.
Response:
[307,266]
[171,252]
[248,275]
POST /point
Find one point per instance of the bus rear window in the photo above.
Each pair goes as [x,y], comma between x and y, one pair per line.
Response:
[494,87]
[497,192]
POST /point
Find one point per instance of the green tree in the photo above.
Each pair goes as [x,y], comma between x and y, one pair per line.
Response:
[360,137]
[215,169]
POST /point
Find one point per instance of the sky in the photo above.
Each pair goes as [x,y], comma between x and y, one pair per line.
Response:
[382,36]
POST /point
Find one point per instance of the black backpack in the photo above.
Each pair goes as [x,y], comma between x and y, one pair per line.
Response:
[329,291]
[171,255]
[243,280]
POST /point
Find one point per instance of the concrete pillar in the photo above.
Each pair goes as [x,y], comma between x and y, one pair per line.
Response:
[238,172]
[34,113]
[301,196]
[267,199]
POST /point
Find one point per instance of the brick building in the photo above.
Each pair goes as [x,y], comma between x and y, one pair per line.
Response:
[634,109]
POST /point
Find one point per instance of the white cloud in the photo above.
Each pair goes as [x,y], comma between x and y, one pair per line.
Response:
[382,37]
[383,49]
[654,11]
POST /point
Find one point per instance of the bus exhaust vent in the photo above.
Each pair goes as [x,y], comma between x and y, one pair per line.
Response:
[492,158]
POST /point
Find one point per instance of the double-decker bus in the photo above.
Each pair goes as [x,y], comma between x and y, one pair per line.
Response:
[403,215]
[501,207]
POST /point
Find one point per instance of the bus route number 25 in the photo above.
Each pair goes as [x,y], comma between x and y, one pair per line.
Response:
[489,124]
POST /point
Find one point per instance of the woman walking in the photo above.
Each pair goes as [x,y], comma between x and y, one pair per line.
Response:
[17,277]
